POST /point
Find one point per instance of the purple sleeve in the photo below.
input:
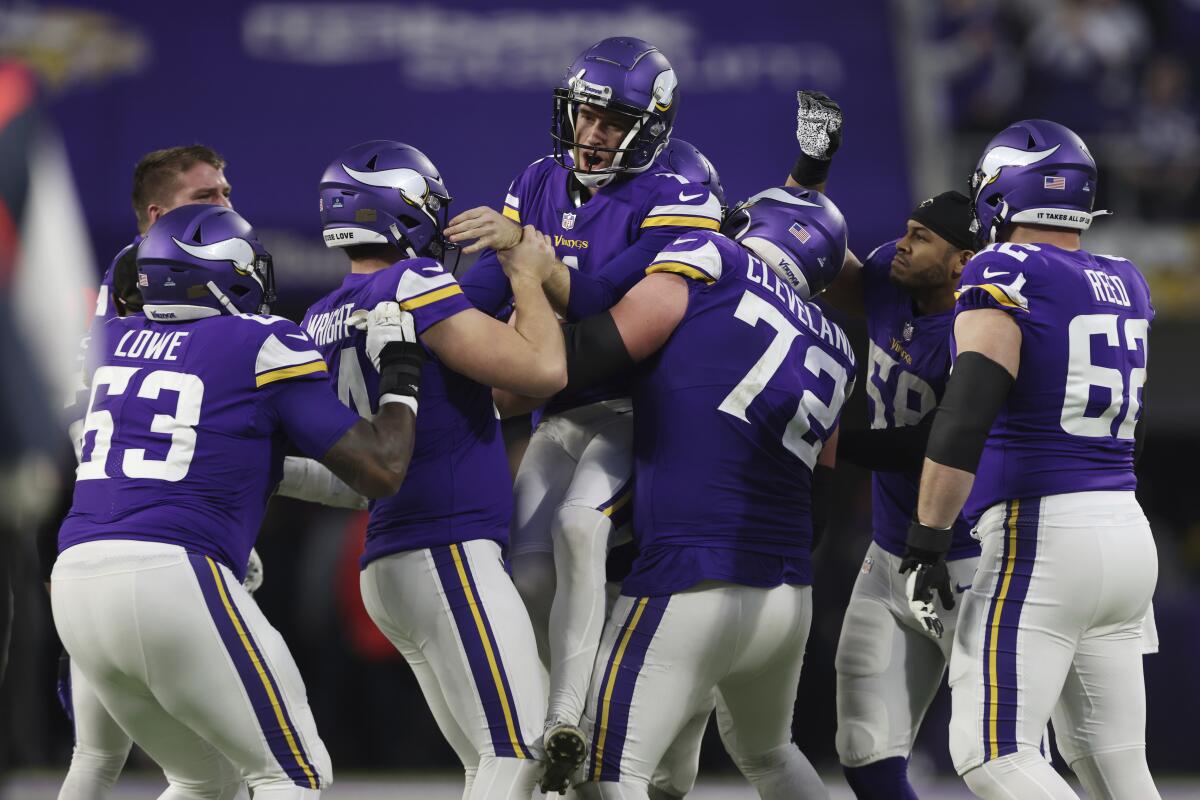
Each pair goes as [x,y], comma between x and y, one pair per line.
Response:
[994,279]
[309,413]
[592,294]
[486,285]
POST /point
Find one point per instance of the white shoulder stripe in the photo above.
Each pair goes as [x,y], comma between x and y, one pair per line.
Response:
[511,200]
[413,284]
[710,209]
[274,354]
[705,259]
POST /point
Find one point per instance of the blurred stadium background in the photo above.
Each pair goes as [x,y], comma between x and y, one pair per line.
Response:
[280,87]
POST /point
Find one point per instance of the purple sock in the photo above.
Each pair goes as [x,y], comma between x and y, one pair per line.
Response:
[882,780]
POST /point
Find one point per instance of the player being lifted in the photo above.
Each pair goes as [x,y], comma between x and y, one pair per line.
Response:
[609,209]
[433,577]
[728,345]
[190,406]
[1041,415]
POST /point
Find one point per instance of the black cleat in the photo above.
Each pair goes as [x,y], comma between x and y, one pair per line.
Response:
[566,748]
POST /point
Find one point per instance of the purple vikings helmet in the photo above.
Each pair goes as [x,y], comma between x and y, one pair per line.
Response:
[800,233]
[1034,172]
[628,76]
[201,261]
[684,159]
[385,192]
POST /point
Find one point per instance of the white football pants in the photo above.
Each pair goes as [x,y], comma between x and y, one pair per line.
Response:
[186,663]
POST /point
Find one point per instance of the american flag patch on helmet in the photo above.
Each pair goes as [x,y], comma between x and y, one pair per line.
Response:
[1054,182]
[800,232]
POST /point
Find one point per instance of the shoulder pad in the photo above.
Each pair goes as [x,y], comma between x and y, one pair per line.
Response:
[285,351]
[695,255]
[421,281]
[676,202]
[997,274]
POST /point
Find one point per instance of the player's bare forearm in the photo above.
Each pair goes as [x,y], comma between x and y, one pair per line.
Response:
[538,326]
[818,187]
[372,457]
[846,292]
[558,288]
[944,490]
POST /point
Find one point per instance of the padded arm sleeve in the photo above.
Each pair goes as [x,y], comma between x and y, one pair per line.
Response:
[595,351]
[977,390]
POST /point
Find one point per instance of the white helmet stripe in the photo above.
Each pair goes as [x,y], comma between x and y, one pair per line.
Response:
[782,196]
[236,250]
[999,157]
[410,182]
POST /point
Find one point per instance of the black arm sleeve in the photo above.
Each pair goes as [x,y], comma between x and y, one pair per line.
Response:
[595,351]
[887,449]
[977,390]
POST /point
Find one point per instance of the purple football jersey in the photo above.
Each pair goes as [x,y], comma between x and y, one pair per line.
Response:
[458,485]
[184,436]
[1067,425]
[908,365]
[729,418]
[610,240]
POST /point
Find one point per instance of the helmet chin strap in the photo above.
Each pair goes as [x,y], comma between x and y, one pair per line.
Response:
[223,299]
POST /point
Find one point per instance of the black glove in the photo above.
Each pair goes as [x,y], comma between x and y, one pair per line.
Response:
[925,557]
[819,132]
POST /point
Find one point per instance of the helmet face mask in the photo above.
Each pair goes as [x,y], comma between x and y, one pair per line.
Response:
[1035,172]
[203,260]
[624,76]
[385,192]
[799,233]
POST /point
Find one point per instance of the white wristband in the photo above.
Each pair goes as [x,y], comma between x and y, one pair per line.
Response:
[407,400]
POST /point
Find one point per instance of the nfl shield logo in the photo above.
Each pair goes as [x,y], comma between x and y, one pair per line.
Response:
[907,331]
[568,220]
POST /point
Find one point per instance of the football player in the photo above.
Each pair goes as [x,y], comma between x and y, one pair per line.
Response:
[1041,417]
[888,668]
[728,344]
[191,402]
[433,576]
[162,181]
[609,209]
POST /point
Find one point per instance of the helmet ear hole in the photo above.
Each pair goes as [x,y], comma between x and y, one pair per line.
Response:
[994,200]
[239,290]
